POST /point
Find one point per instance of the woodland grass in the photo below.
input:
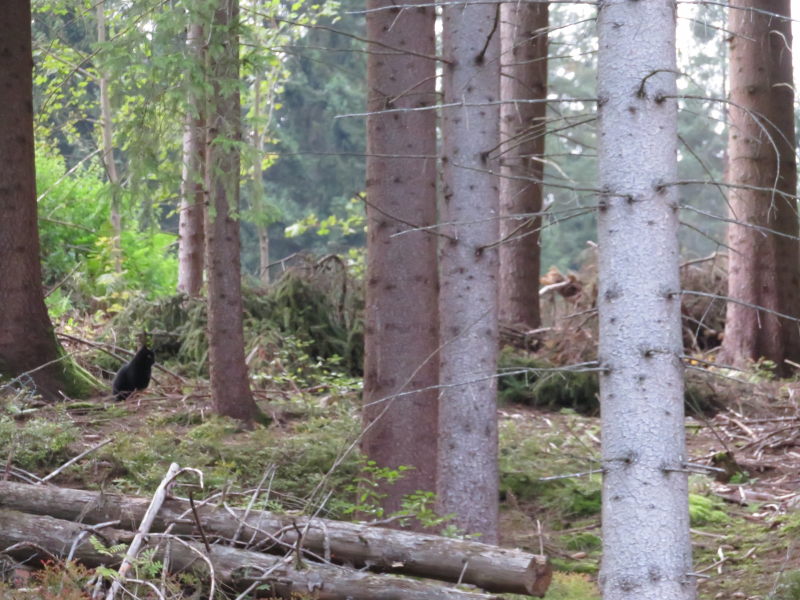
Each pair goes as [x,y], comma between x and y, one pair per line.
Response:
[550,498]
[534,445]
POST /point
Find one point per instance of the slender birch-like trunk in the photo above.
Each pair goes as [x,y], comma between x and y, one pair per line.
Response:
[191,245]
[107,129]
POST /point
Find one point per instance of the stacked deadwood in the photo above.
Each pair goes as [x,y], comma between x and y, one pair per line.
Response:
[324,558]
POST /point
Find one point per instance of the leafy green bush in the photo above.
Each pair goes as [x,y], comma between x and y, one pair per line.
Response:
[76,241]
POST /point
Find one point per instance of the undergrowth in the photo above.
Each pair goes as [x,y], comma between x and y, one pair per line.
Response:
[297,317]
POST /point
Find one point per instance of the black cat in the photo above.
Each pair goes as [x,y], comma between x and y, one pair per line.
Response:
[135,375]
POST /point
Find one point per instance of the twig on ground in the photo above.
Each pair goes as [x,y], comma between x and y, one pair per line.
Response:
[147,522]
[76,459]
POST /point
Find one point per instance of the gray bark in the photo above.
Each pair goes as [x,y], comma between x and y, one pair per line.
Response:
[467,455]
[646,545]
[237,569]
[498,570]
[401,325]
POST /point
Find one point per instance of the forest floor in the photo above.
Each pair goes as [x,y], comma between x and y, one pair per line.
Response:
[744,529]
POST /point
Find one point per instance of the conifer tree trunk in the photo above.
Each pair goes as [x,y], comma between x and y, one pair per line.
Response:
[764,268]
[229,379]
[401,333]
[645,516]
[524,77]
[191,244]
[106,121]
[259,200]
[28,346]
[468,476]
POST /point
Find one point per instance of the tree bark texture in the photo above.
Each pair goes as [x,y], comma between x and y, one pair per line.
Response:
[468,477]
[764,267]
[646,545]
[522,131]
[107,135]
[236,569]
[401,332]
[259,200]
[229,378]
[191,243]
[497,570]
[27,340]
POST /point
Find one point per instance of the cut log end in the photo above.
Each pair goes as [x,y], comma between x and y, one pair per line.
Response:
[538,576]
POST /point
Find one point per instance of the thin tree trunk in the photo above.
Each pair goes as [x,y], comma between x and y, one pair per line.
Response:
[645,516]
[401,333]
[258,184]
[263,254]
[108,144]
[467,456]
[764,268]
[229,378]
[191,245]
[524,77]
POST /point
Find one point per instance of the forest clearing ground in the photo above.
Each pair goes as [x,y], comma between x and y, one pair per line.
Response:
[744,533]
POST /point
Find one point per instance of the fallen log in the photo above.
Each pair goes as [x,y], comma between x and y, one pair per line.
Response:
[494,569]
[238,570]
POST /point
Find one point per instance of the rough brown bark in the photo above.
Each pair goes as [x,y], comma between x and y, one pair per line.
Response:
[191,244]
[494,569]
[401,333]
[27,341]
[236,569]
[229,379]
[522,128]
[764,268]
[467,478]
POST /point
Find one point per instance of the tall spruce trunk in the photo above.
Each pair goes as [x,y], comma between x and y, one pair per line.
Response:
[28,346]
[191,243]
[401,332]
[764,267]
[229,379]
[646,544]
[524,78]
[468,475]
